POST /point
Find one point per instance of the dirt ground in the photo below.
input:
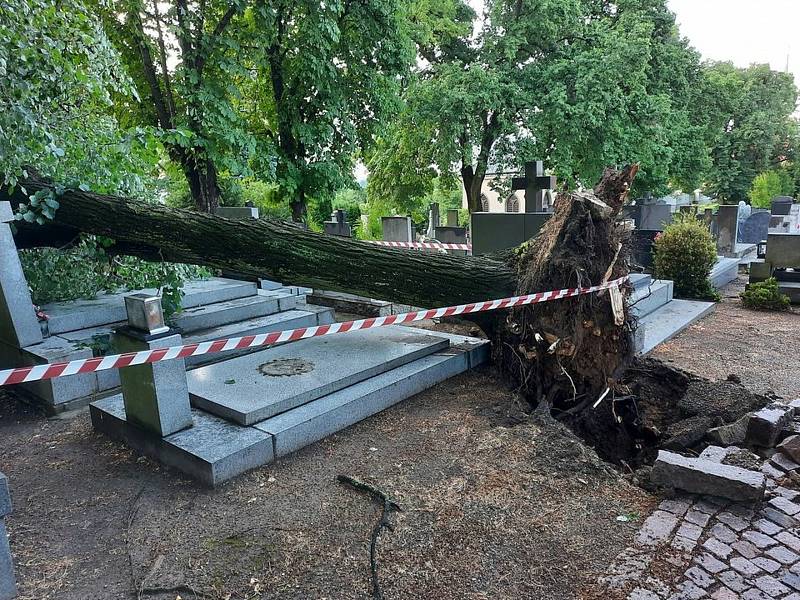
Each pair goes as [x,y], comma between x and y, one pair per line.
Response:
[495,504]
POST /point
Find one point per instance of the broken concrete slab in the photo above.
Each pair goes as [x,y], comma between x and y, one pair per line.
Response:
[765,426]
[702,476]
[257,386]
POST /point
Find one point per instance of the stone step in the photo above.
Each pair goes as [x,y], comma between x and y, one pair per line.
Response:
[214,450]
[640,280]
[231,311]
[666,322]
[110,308]
[311,422]
[257,386]
[647,299]
[289,319]
[725,271]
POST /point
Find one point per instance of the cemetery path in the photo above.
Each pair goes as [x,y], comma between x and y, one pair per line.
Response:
[495,505]
[758,347]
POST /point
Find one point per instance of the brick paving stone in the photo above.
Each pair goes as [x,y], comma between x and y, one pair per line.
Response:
[744,566]
[642,594]
[758,539]
[733,580]
[656,528]
[714,546]
[770,585]
[710,563]
[676,506]
[724,593]
[783,555]
[777,516]
[755,594]
[767,526]
[724,533]
[697,517]
[732,521]
[690,531]
[792,580]
[689,591]
[787,493]
[744,548]
[783,462]
[684,544]
[699,577]
[787,506]
[769,565]
[790,540]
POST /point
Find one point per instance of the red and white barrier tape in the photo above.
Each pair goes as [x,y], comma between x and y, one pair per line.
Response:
[118,361]
[423,245]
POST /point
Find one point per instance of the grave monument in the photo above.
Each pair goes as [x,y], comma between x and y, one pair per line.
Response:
[338,224]
[397,229]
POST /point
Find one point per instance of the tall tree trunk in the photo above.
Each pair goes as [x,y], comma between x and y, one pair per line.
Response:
[201,174]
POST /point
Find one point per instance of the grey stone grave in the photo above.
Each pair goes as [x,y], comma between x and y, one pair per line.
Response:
[655,216]
[433,219]
[755,228]
[537,187]
[452,235]
[8,586]
[155,395]
[727,228]
[397,229]
[237,213]
[252,388]
[452,217]
[338,224]
[499,231]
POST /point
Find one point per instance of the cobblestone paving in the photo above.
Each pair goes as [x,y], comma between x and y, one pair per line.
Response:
[693,548]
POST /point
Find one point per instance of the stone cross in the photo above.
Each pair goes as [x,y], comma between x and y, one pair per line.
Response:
[156,395]
[537,186]
[19,326]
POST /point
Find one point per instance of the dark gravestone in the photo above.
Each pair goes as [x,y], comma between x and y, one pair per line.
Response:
[755,228]
[781,205]
[633,212]
[536,185]
[499,231]
[642,247]
[338,224]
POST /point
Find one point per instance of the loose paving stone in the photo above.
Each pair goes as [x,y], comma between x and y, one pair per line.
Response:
[715,453]
[732,521]
[746,549]
[723,533]
[771,586]
[791,447]
[771,471]
[697,517]
[744,566]
[759,539]
[689,531]
[767,527]
[706,477]
[783,462]
[766,425]
[714,546]
[642,594]
[709,563]
[684,544]
[707,507]
[656,528]
[733,580]
[792,597]
[783,555]
[792,580]
[786,493]
[779,517]
[699,577]
[787,506]
[769,565]
[790,540]
[677,506]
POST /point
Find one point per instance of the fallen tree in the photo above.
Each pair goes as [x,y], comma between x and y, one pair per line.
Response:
[562,353]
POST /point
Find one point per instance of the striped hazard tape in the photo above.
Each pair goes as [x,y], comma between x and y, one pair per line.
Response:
[423,245]
[118,361]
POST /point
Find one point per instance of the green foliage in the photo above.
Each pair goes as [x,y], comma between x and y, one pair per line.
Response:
[86,269]
[764,295]
[685,253]
[769,184]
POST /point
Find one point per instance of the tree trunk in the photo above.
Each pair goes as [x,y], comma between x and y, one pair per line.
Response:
[201,174]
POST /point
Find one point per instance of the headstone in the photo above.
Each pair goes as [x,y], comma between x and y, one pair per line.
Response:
[783,251]
[338,224]
[452,235]
[237,213]
[433,219]
[19,326]
[452,217]
[397,229]
[655,216]
[8,587]
[755,228]
[781,205]
[499,231]
[538,187]
[642,247]
[156,395]
[727,227]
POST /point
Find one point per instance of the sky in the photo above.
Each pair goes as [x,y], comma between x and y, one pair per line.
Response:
[743,31]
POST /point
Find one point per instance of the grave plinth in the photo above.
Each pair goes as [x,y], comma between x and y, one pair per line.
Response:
[156,395]
[237,213]
[8,587]
[499,231]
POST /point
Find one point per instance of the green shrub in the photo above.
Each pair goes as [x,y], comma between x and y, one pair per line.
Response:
[769,184]
[685,253]
[764,295]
